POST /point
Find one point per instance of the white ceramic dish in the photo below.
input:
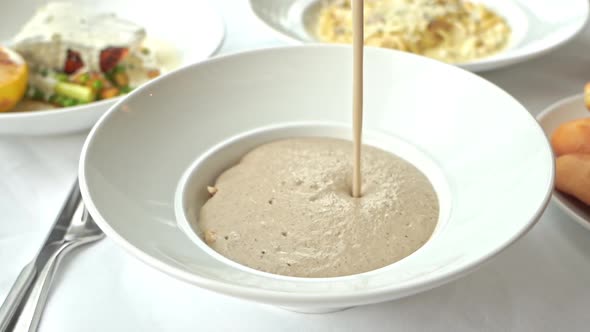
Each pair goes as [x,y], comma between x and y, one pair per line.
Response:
[537,26]
[201,34]
[562,111]
[135,156]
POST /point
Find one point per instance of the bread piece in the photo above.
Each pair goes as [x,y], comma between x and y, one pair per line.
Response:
[572,175]
[572,137]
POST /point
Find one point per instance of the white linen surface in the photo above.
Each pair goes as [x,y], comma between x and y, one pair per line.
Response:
[542,283]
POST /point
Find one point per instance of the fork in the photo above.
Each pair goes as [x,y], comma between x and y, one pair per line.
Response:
[23,307]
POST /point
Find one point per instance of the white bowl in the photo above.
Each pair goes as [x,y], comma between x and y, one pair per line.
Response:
[537,26]
[567,109]
[495,159]
[201,34]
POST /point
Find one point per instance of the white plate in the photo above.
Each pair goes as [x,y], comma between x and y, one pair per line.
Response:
[538,26]
[135,156]
[193,27]
[562,111]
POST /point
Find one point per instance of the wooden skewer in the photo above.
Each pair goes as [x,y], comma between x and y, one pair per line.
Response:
[357,93]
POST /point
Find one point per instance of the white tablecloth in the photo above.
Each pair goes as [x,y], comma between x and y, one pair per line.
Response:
[542,283]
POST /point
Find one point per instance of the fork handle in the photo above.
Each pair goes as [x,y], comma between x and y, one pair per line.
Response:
[33,305]
[18,293]
[33,291]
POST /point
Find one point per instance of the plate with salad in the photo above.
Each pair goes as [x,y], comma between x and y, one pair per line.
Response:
[63,64]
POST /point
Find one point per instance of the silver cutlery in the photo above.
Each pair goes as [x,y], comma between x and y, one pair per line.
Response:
[22,308]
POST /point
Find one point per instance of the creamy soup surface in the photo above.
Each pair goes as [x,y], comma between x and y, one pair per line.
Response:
[287,209]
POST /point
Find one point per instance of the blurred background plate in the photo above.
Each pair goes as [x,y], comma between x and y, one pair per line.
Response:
[192,27]
[537,26]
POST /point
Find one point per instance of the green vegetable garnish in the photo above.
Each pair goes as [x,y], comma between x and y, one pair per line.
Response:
[108,75]
[61,77]
[71,90]
[97,85]
[84,78]
[118,69]
[126,89]
[67,102]
[145,51]
[31,92]
[59,99]
[37,94]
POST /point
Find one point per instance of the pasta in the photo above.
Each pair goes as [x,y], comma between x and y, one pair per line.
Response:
[453,31]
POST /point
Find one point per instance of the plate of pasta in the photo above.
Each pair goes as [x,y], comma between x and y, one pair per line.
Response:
[477,35]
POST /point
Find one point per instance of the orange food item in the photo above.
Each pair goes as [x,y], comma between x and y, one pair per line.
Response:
[572,137]
[121,79]
[572,175]
[109,93]
[153,73]
[14,74]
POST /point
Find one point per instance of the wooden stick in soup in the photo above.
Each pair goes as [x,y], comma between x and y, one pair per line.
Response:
[357,93]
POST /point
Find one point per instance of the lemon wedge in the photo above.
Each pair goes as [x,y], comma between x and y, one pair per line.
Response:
[14,74]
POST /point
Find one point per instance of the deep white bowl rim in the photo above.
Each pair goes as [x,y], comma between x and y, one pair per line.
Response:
[272,296]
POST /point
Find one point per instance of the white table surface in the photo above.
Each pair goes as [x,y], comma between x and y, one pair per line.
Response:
[542,283]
